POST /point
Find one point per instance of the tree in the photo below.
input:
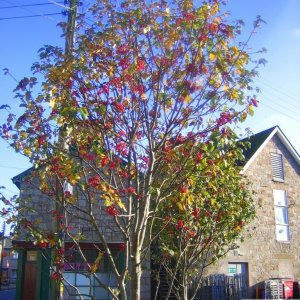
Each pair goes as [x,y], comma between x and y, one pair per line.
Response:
[126,122]
[201,219]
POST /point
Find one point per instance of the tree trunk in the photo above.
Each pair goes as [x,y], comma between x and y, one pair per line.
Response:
[183,287]
[136,274]
[185,292]
[123,295]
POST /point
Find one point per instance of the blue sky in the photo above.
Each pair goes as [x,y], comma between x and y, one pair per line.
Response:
[279,80]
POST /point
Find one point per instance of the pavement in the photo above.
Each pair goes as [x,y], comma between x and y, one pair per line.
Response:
[8,294]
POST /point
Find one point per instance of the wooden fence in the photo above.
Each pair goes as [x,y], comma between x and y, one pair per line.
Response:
[223,287]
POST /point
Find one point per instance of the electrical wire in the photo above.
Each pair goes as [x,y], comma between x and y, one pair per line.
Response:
[30,16]
[27,5]
[284,104]
[279,111]
[10,167]
[281,91]
[33,14]
[7,190]
[59,4]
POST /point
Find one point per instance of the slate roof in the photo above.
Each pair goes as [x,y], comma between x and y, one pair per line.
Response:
[18,178]
[259,140]
[256,140]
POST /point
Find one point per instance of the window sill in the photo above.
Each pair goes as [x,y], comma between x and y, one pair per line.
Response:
[278,180]
[283,242]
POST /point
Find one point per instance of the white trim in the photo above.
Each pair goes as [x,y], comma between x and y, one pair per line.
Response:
[283,139]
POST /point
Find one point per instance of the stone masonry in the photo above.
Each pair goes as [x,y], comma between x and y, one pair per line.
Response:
[265,256]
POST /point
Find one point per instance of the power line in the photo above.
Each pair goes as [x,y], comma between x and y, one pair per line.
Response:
[281,91]
[10,167]
[7,190]
[27,5]
[30,16]
[280,112]
[32,13]
[60,4]
[284,104]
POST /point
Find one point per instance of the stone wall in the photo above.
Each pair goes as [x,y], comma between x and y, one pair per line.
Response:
[38,208]
[265,256]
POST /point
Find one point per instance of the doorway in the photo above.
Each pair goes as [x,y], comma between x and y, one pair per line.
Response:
[30,275]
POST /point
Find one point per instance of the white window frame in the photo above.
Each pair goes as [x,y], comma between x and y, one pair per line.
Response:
[281,216]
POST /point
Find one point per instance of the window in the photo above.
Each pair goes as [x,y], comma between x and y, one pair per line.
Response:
[77,274]
[277,166]
[31,255]
[13,273]
[239,271]
[281,216]
[237,268]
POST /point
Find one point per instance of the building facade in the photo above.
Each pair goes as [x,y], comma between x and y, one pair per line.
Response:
[272,243]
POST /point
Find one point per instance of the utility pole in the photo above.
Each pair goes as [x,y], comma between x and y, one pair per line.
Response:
[2,251]
[69,47]
[70,30]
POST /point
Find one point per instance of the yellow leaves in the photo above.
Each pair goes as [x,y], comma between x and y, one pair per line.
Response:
[238,228]
[239,71]
[213,202]
[225,88]
[187,99]
[233,94]
[52,242]
[214,9]
[74,178]
[93,268]
[170,39]
[187,4]
[23,134]
[146,29]
[180,206]
[27,152]
[110,71]
[187,58]
[223,45]
[169,43]
[111,197]
[212,56]
[251,110]
[235,50]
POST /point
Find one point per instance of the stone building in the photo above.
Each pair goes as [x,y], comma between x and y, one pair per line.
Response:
[34,280]
[272,243]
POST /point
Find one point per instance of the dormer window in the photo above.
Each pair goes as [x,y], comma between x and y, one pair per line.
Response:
[277,167]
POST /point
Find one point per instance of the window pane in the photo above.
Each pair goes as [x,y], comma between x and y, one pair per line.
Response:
[32,255]
[107,279]
[82,280]
[100,293]
[232,269]
[282,233]
[70,277]
[279,198]
[84,290]
[281,216]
